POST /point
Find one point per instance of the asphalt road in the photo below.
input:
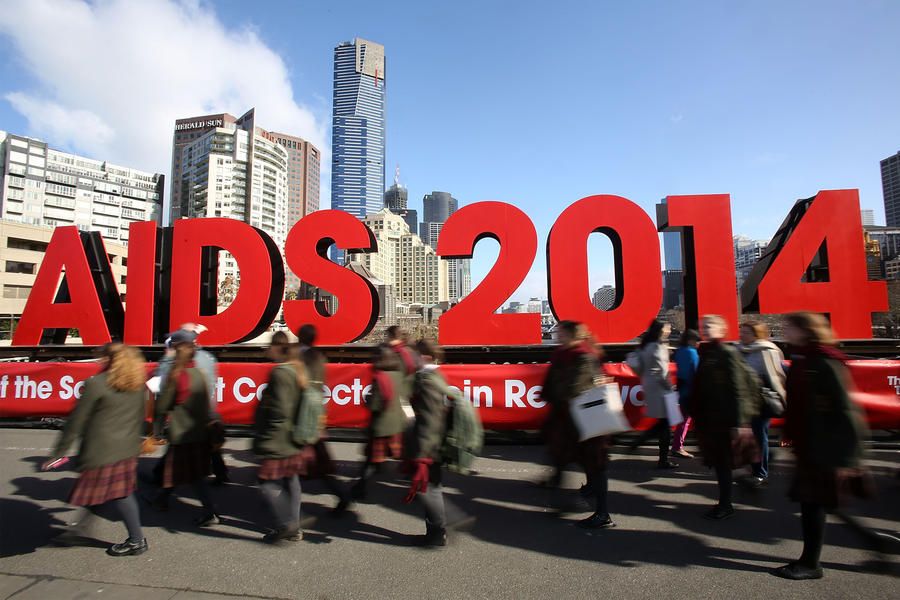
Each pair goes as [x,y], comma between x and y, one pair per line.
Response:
[519,548]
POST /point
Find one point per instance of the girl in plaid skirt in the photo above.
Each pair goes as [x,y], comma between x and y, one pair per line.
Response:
[274,440]
[109,420]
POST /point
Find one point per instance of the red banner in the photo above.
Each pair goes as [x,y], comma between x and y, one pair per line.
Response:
[507,396]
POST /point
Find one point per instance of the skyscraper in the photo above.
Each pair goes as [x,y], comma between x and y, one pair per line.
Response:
[672,250]
[358,130]
[229,167]
[605,297]
[395,200]
[890,185]
[437,208]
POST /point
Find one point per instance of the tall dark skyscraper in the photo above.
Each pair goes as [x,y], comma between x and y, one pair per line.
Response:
[396,198]
[890,184]
[358,130]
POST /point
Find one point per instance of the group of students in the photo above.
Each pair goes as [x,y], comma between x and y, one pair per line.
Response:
[288,433]
[720,388]
[722,392]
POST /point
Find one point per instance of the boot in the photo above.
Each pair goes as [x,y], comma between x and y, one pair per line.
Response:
[435,537]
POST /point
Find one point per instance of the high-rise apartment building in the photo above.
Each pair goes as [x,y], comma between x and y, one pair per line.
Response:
[358,130]
[403,261]
[396,198]
[890,185]
[437,208]
[229,167]
[604,297]
[868,217]
[747,253]
[672,250]
[46,187]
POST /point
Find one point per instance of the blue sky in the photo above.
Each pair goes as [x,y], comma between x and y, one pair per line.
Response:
[533,103]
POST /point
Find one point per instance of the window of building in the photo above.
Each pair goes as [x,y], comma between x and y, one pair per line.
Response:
[20,244]
[14,266]
[16,291]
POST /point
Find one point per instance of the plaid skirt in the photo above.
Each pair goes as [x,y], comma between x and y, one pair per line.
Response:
[186,463]
[279,468]
[317,461]
[380,449]
[109,482]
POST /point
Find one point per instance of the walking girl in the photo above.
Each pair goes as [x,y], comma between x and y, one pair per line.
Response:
[686,361]
[274,442]
[109,420]
[574,369]
[184,406]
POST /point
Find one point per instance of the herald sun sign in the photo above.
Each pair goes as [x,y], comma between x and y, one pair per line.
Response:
[172,274]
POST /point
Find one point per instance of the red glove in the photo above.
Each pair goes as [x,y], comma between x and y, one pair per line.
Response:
[419,481]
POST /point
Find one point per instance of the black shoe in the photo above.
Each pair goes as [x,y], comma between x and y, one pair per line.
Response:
[719,513]
[289,534]
[128,548]
[358,491]
[207,520]
[341,508]
[434,538]
[596,521]
[798,572]
[753,482]
[666,464]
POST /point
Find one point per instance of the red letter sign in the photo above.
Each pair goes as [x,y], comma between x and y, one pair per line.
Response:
[65,257]
[847,296]
[638,280]
[261,285]
[357,300]
[473,321]
[140,297]
[707,255]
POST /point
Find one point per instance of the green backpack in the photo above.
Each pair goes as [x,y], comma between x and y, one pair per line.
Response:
[309,413]
[464,436]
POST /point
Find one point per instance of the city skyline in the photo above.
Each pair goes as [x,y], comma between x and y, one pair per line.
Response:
[723,112]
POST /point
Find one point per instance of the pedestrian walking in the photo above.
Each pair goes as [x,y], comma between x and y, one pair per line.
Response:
[574,369]
[826,433]
[767,361]
[183,406]
[686,361]
[317,458]
[274,440]
[653,357]
[387,422]
[207,364]
[722,406]
[108,418]
[423,447]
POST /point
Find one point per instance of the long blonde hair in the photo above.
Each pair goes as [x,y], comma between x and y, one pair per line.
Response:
[125,370]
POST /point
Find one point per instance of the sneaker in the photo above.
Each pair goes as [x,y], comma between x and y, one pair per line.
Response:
[798,572]
[682,453]
[207,520]
[596,521]
[666,464]
[128,548]
[434,538]
[719,512]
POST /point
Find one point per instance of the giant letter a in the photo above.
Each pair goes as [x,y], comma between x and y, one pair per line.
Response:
[65,257]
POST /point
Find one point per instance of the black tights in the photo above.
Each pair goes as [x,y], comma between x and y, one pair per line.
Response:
[724,479]
[599,485]
[128,510]
[663,433]
[812,519]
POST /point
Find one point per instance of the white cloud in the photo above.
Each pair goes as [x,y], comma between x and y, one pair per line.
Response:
[112,76]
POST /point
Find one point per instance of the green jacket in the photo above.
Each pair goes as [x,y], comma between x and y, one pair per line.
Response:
[276,414]
[722,398]
[188,421]
[390,420]
[110,424]
[429,428]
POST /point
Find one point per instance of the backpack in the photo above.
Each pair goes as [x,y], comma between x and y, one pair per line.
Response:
[310,410]
[464,436]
